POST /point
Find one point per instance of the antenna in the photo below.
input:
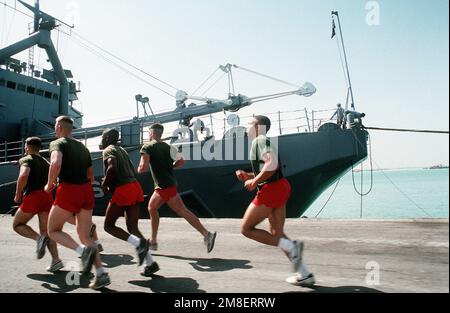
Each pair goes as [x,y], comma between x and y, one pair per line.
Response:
[350,88]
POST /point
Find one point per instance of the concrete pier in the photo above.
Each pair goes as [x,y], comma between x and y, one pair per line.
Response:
[412,256]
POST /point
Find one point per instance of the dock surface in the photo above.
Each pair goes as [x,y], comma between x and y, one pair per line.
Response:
[412,257]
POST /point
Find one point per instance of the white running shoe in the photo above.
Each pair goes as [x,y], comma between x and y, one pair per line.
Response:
[297,280]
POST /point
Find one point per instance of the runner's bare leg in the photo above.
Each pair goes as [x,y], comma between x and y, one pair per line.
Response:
[20,225]
[57,218]
[252,218]
[154,205]
[43,222]
[84,223]
[177,205]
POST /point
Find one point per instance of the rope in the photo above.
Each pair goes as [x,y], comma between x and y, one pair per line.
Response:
[125,62]
[8,184]
[395,186]
[267,76]
[409,130]
[4,26]
[402,192]
[360,193]
[209,77]
[326,203]
[11,24]
[118,66]
[17,10]
[232,82]
[215,83]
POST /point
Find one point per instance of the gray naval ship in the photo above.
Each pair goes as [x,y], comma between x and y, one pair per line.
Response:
[31,99]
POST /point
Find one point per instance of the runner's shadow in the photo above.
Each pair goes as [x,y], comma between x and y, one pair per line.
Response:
[159,284]
[116,260]
[341,289]
[212,265]
[106,290]
[58,282]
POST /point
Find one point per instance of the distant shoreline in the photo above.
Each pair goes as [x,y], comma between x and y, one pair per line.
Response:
[406,168]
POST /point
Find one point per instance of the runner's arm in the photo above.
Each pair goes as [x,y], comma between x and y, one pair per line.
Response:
[90,174]
[269,169]
[111,169]
[21,182]
[180,161]
[244,176]
[55,169]
[144,163]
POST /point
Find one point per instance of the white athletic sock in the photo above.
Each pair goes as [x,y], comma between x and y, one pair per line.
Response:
[80,249]
[149,259]
[135,241]
[100,271]
[97,242]
[286,245]
[303,270]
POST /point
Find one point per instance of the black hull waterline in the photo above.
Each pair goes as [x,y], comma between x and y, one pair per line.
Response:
[312,162]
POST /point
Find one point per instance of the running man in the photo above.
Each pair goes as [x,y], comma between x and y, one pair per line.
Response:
[162,159]
[72,163]
[120,180]
[35,201]
[273,194]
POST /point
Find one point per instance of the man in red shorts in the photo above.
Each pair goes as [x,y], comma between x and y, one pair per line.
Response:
[120,180]
[35,201]
[273,194]
[162,158]
[72,163]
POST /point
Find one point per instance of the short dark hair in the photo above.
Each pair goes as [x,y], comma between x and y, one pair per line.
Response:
[264,121]
[34,142]
[113,135]
[65,121]
[158,127]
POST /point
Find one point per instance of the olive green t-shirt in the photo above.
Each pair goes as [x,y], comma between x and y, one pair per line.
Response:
[125,171]
[162,157]
[260,146]
[75,162]
[38,176]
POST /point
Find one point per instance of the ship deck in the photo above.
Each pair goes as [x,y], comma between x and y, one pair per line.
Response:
[413,256]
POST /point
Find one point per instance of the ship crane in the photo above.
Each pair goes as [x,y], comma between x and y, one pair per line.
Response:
[185,112]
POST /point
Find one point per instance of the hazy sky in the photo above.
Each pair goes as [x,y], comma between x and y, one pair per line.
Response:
[399,68]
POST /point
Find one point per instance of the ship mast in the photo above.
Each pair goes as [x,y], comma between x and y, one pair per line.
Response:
[43,25]
[350,88]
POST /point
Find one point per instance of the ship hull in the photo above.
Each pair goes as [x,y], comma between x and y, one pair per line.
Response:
[312,162]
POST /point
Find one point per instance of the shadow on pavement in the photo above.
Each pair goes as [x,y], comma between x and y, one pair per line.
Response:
[212,265]
[159,284]
[62,281]
[115,260]
[341,289]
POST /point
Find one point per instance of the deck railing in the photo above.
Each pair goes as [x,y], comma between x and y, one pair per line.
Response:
[283,122]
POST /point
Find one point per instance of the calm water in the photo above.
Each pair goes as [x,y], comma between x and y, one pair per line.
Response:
[428,189]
